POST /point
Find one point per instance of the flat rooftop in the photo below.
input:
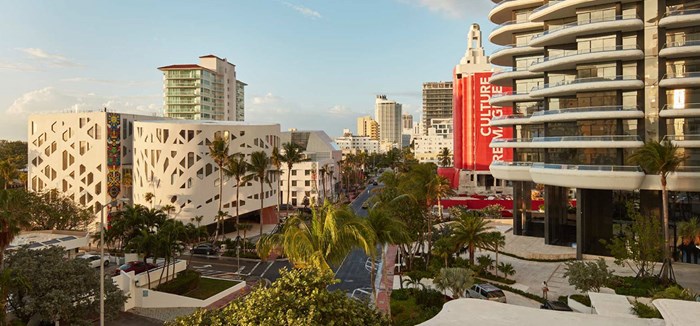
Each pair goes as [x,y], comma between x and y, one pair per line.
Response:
[44,239]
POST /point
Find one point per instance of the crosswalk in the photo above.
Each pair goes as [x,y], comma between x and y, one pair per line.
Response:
[207,271]
[243,271]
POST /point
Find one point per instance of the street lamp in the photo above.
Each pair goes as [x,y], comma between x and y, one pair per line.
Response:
[102,255]
[238,254]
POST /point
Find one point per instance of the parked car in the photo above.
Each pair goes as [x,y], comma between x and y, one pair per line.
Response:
[205,249]
[487,291]
[137,267]
[94,260]
[365,205]
[375,183]
[555,305]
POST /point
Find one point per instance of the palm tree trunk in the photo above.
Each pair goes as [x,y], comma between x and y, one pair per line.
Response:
[238,187]
[496,269]
[666,268]
[471,254]
[289,185]
[371,278]
[261,207]
[218,216]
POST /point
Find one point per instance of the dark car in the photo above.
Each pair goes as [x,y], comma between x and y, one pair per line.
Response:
[374,183]
[205,249]
[136,266]
[555,305]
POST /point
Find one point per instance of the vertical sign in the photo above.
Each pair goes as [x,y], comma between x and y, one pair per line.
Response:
[114,155]
[482,132]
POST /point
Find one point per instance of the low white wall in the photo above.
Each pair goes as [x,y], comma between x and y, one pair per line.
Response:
[578,307]
[155,299]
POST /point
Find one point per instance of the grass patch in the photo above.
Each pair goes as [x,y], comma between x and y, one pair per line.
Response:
[636,286]
[582,299]
[645,311]
[516,291]
[209,287]
[413,306]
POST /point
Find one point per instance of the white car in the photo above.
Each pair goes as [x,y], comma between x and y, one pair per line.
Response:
[94,260]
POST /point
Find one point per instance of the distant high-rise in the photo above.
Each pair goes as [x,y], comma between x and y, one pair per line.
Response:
[406,121]
[388,115]
[437,102]
[240,100]
[207,90]
[368,127]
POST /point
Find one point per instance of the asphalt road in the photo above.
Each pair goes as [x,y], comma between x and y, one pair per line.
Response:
[227,268]
[352,272]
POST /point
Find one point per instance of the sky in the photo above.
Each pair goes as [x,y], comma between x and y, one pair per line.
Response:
[309,64]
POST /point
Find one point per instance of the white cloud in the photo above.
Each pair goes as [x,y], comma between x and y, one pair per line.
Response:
[455,9]
[266,99]
[340,111]
[308,12]
[48,58]
[17,66]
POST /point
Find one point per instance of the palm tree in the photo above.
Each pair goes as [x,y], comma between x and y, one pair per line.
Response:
[332,233]
[444,157]
[660,158]
[387,230]
[259,170]
[322,173]
[470,230]
[689,234]
[149,196]
[236,167]
[218,151]
[458,280]
[440,188]
[495,241]
[277,162]
[12,220]
[8,171]
[293,154]
[507,269]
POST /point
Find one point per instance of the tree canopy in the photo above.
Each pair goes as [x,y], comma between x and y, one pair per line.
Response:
[298,297]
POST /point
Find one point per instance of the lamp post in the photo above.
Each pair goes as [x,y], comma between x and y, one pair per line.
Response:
[238,254]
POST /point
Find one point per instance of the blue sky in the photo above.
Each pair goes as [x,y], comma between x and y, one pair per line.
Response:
[309,64]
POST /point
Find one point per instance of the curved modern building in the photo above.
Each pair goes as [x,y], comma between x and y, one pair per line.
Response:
[592,80]
[171,161]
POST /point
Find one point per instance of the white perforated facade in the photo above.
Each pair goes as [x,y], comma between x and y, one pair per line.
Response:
[171,160]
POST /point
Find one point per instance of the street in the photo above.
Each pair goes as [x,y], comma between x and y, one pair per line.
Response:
[226,267]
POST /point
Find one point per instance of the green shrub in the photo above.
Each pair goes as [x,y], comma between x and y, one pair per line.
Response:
[489,276]
[414,306]
[185,281]
[400,294]
[582,299]
[645,311]
[429,298]
[674,292]
[635,286]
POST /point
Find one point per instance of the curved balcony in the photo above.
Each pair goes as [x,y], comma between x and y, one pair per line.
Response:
[689,110]
[688,141]
[680,18]
[616,177]
[506,76]
[504,56]
[503,11]
[690,47]
[686,178]
[587,113]
[510,143]
[615,141]
[508,98]
[567,33]
[503,34]
[589,84]
[681,79]
[558,8]
[569,59]
[514,171]
[509,120]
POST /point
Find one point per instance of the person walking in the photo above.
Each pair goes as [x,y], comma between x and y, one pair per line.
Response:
[545,289]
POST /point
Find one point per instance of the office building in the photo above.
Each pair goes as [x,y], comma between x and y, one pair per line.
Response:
[368,127]
[406,121]
[437,102]
[387,113]
[592,81]
[204,91]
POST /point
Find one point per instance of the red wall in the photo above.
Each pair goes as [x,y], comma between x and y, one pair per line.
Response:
[481,203]
[471,115]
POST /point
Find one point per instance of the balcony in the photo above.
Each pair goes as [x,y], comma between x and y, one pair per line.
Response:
[607,177]
[688,47]
[510,143]
[507,98]
[676,18]
[503,11]
[587,113]
[514,171]
[505,77]
[509,120]
[567,33]
[588,84]
[689,110]
[503,33]
[569,59]
[681,79]
[614,141]
[504,56]
[687,141]
[558,8]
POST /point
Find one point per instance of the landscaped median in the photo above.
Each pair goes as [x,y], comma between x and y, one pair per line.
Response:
[207,292]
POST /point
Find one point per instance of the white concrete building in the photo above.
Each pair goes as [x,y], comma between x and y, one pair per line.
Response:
[207,90]
[351,144]
[388,114]
[86,156]
[427,147]
[171,161]
[307,184]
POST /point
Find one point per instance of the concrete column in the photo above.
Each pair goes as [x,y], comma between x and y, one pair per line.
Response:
[555,213]
[522,192]
[594,216]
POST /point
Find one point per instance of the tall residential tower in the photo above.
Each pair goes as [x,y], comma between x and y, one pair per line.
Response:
[388,115]
[437,102]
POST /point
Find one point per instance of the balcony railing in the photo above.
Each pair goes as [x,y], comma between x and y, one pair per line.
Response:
[581,167]
[512,164]
[586,22]
[680,12]
[585,80]
[684,106]
[569,53]
[682,74]
[549,4]
[688,40]
[508,94]
[606,108]
[508,47]
[510,22]
[690,137]
[511,140]
[509,117]
[605,138]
